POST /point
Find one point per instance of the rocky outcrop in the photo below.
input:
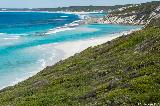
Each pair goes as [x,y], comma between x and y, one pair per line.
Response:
[120,19]
[134,18]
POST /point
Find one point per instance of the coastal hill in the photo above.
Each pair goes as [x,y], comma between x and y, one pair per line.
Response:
[137,14]
[124,71]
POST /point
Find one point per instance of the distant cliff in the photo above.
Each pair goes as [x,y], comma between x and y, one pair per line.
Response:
[139,14]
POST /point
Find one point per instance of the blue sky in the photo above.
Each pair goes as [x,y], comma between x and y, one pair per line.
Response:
[61,3]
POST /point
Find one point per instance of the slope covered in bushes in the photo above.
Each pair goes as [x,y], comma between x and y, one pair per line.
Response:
[124,71]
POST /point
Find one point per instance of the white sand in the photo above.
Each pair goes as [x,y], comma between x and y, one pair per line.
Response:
[71,48]
[68,49]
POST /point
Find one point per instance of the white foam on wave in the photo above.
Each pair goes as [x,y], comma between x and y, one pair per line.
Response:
[52,57]
[12,38]
[66,27]
[47,56]
[64,16]
[6,36]
[53,31]
[2,33]
[22,34]
[14,34]
[69,26]
[42,62]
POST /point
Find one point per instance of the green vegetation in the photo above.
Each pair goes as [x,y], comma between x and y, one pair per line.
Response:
[124,71]
[141,10]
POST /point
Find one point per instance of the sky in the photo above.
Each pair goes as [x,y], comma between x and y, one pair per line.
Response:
[62,3]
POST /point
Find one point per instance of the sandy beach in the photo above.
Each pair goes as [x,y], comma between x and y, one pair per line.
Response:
[73,47]
[61,51]
[31,54]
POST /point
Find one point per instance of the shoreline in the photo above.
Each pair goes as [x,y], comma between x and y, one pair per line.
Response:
[70,48]
[60,53]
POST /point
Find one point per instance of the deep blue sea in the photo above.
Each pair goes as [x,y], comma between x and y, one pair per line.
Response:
[24,37]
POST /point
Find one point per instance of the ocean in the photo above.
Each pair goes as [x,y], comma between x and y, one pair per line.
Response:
[25,39]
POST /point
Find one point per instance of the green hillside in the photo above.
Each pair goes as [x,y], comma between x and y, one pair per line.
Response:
[124,71]
[142,12]
[140,8]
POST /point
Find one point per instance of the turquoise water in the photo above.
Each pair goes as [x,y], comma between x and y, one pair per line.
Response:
[24,52]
